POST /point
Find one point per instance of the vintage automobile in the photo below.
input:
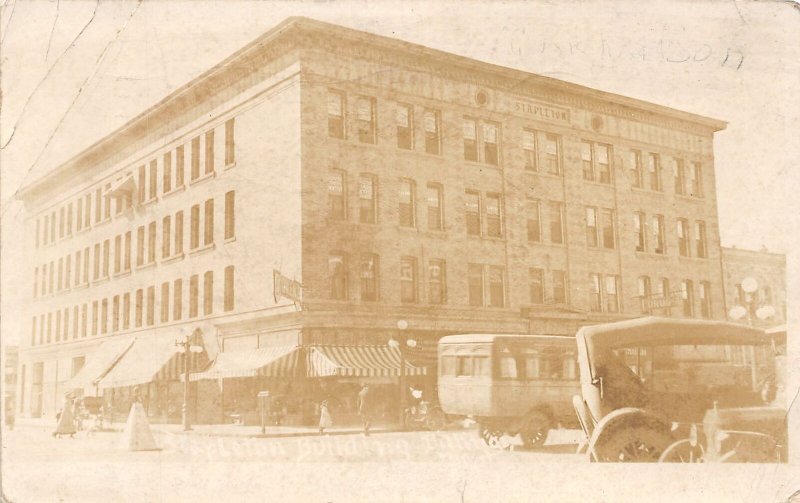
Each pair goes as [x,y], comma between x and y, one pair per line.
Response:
[509,383]
[657,389]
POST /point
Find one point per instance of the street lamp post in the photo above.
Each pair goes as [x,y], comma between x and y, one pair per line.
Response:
[187,343]
[401,346]
[737,312]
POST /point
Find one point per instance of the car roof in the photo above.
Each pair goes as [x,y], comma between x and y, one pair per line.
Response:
[483,338]
[675,331]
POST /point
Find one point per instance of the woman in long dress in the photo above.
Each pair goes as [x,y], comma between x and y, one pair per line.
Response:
[66,422]
[325,420]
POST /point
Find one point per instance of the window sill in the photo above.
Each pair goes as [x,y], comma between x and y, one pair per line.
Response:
[659,256]
[148,202]
[547,174]
[122,274]
[174,258]
[203,249]
[479,164]
[229,166]
[176,190]
[100,281]
[644,190]
[230,240]
[598,183]
[145,266]
[203,178]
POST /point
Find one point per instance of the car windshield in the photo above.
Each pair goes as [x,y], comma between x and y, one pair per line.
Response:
[685,379]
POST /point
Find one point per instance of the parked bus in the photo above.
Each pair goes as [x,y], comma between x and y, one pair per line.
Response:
[509,384]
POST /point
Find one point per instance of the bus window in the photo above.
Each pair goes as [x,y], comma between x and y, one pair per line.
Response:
[481,365]
[532,366]
[448,365]
[508,365]
[464,367]
[569,368]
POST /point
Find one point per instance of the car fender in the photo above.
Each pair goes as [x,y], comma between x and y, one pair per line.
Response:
[620,416]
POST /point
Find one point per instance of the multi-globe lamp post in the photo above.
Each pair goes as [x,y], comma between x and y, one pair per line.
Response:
[401,343]
[188,342]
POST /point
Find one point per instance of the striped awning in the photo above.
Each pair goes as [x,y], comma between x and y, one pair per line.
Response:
[142,363]
[357,361]
[99,363]
[278,361]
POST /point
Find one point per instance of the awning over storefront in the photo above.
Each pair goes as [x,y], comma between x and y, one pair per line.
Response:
[278,361]
[99,363]
[142,363]
[357,361]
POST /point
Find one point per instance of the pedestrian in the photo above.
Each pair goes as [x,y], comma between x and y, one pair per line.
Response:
[325,420]
[66,423]
[365,408]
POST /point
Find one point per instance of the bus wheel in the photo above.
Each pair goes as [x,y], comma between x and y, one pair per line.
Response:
[534,430]
[490,434]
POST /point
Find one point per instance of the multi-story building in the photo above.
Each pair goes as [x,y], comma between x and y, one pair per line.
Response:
[325,186]
[768,269]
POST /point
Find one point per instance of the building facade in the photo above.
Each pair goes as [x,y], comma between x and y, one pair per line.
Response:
[325,186]
[768,269]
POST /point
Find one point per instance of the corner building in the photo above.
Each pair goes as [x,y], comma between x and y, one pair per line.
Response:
[395,184]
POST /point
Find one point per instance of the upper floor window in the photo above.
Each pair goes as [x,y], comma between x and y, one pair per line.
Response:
[230,214]
[407,205]
[208,220]
[435,207]
[369,277]
[209,144]
[591,227]
[208,293]
[595,299]
[153,178]
[473,213]
[609,236]
[654,171]
[537,285]
[530,149]
[337,270]
[556,222]
[683,237]
[696,180]
[436,282]
[687,294]
[336,114]
[705,299]
[408,279]
[195,173]
[151,242]
[366,119]
[534,221]
[336,195]
[494,220]
[612,295]
[680,176]
[659,240]
[639,230]
[700,239]
[603,160]
[487,136]
[552,153]
[404,120]
[167,175]
[470,127]
[644,291]
[432,122]
[194,237]
[367,200]
[230,144]
[559,287]
[228,299]
[179,165]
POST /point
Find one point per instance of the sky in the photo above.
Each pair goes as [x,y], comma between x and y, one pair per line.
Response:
[72,72]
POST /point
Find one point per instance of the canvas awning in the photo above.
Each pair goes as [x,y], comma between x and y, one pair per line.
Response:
[99,363]
[357,361]
[278,361]
[142,363]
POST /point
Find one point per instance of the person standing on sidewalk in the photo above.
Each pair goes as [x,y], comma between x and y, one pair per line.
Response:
[365,408]
[325,420]
[66,422]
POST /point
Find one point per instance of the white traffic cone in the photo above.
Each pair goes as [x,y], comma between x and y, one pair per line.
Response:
[137,435]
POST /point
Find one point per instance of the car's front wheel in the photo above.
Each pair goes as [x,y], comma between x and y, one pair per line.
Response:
[631,444]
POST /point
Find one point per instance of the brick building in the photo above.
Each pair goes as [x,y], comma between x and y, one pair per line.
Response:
[768,269]
[323,186]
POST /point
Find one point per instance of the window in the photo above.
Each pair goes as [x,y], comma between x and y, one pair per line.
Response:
[700,239]
[473,213]
[369,277]
[687,294]
[612,297]
[115,314]
[177,300]
[654,171]
[194,240]
[470,131]
[35,282]
[230,144]
[78,220]
[33,331]
[97,260]
[228,297]
[179,233]
[85,265]
[106,257]
[336,195]
[407,195]
[680,177]
[165,302]
[44,279]
[75,322]
[153,179]
[475,279]
[107,202]
[683,237]
[337,270]
[595,304]
[230,214]
[98,209]
[494,222]
[366,196]
[208,220]
[696,180]
[84,320]
[78,262]
[559,287]
[529,150]
[404,120]
[60,276]
[51,283]
[491,151]
[67,271]
[46,221]
[658,235]
[705,299]
[179,163]
[208,293]
[88,206]
[608,229]
[151,305]
[552,153]
[408,279]
[151,242]
[366,119]
[167,176]
[139,303]
[166,238]
[556,222]
[432,136]
[195,158]
[140,246]
[639,229]
[507,365]
[644,291]
[69,219]
[209,144]
[95,317]
[118,254]
[336,115]
[128,251]
[537,285]
[603,159]
[534,222]
[58,325]
[591,227]
[662,290]
[436,282]
[435,207]
[497,289]
[587,161]
[126,311]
